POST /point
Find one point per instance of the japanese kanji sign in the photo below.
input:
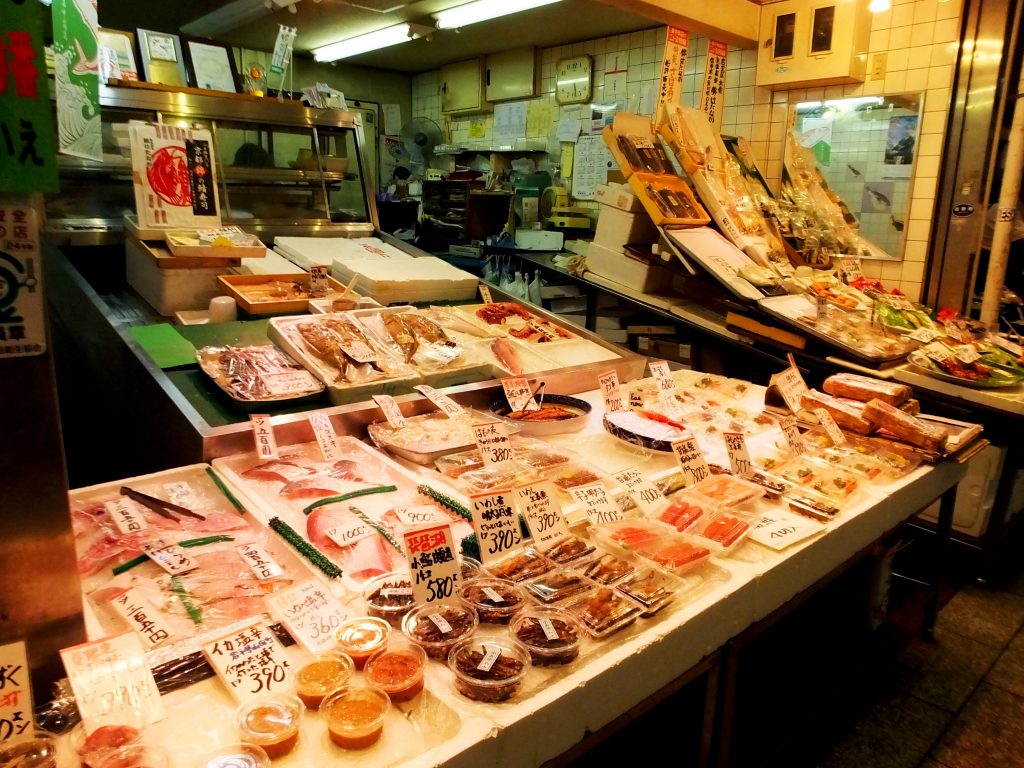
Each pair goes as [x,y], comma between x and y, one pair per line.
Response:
[250,661]
[310,613]
[76,77]
[673,65]
[22,311]
[15,693]
[712,95]
[435,569]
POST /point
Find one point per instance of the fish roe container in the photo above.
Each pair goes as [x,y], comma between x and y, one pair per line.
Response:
[321,675]
[355,716]
[362,637]
[398,669]
[272,721]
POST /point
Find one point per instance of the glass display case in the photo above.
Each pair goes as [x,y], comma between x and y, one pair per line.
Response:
[283,169]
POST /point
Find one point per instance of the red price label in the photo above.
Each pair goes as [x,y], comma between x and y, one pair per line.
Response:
[609,384]
[435,569]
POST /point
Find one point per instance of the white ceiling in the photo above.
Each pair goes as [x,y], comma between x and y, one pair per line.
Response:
[249,24]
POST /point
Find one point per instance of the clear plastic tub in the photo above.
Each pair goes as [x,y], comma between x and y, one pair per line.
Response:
[678,553]
[569,548]
[605,612]
[239,755]
[355,716]
[729,490]
[489,669]
[629,534]
[362,637]
[438,626]
[389,597]
[495,600]
[685,510]
[726,529]
[321,675]
[558,585]
[272,721]
[606,567]
[654,588]
[521,565]
[398,669]
[552,635]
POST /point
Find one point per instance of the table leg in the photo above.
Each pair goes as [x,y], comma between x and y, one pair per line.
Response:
[993,534]
[591,321]
[947,504]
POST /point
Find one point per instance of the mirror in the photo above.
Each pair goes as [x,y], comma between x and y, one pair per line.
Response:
[865,149]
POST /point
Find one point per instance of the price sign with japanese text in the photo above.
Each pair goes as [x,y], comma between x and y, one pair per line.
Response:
[263,434]
[924,335]
[791,386]
[492,440]
[608,382]
[966,353]
[850,268]
[349,531]
[496,524]
[820,309]
[1004,343]
[596,502]
[739,456]
[519,394]
[834,432]
[435,568]
[318,278]
[260,562]
[485,293]
[778,530]
[112,682]
[126,514]
[16,718]
[444,404]
[288,382]
[640,489]
[662,374]
[424,514]
[250,661]
[794,439]
[141,615]
[310,613]
[538,504]
[390,409]
[326,438]
[170,557]
[691,459]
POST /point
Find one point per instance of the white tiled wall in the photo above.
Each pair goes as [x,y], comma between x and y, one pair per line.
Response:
[920,38]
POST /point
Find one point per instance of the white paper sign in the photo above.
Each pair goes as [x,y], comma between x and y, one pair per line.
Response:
[691,459]
[739,456]
[492,440]
[794,439]
[288,382]
[415,517]
[318,278]
[142,616]
[260,562]
[16,708]
[640,489]
[538,504]
[485,293]
[311,614]
[263,434]
[112,681]
[568,128]
[712,95]
[389,407]
[833,430]
[608,382]
[325,436]
[349,532]
[673,66]
[791,386]
[126,514]
[251,662]
[590,167]
[594,500]
[435,568]
[509,123]
[496,524]
[778,530]
[170,557]
[519,394]
[444,404]
[22,305]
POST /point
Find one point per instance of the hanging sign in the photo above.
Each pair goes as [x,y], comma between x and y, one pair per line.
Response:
[673,66]
[282,54]
[250,661]
[263,434]
[311,614]
[27,161]
[16,718]
[76,77]
[538,504]
[596,503]
[496,524]
[435,568]
[712,95]
[640,489]
[325,436]
[22,311]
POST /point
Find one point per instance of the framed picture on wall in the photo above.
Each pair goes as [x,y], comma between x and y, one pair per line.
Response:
[161,57]
[117,55]
[210,65]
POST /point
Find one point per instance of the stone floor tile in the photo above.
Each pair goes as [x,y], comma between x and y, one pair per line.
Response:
[986,734]
[1008,672]
[989,616]
[944,671]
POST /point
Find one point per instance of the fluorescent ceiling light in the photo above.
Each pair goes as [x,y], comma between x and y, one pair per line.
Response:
[382,38]
[482,10]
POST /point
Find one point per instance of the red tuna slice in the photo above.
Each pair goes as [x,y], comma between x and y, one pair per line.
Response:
[106,548]
[279,470]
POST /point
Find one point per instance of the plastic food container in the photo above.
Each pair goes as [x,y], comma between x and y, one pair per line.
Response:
[728,490]
[495,600]
[558,585]
[240,755]
[355,716]
[39,750]
[521,565]
[389,597]
[488,669]
[362,637]
[569,548]
[818,476]
[629,534]
[471,567]
[653,588]
[605,612]
[92,746]
[136,756]
[552,635]
[725,529]
[678,553]
[572,474]
[502,475]
[272,721]
[455,465]
[685,509]
[398,669]
[438,626]
[321,675]
[606,567]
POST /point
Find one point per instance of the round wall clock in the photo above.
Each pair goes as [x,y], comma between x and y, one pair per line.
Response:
[574,77]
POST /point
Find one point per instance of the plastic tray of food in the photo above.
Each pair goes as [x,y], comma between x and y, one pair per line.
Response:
[503,475]
[519,566]
[630,533]
[654,588]
[685,509]
[605,611]
[724,530]
[569,548]
[819,476]
[898,462]
[811,504]
[258,376]
[729,490]
[605,566]
[517,322]
[557,586]
[575,473]
[426,438]
[677,552]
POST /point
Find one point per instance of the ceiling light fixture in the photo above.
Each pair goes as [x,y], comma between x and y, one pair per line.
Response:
[879,6]
[482,10]
[382,38]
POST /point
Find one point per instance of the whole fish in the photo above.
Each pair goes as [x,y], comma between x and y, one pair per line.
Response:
[399,330]
[508,356]
[878,196]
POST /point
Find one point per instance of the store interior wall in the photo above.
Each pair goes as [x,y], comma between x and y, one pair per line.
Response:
[919,37]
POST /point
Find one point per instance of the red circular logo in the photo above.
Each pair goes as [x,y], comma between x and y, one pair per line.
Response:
[168,176]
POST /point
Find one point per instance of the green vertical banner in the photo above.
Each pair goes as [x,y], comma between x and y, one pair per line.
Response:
[27,162]
[77,78]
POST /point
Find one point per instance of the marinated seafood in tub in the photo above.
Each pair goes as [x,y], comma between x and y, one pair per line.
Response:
[257,373]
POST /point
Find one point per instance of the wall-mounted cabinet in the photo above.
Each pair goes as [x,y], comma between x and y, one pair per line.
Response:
[511,75]
[810,42]
[462,88]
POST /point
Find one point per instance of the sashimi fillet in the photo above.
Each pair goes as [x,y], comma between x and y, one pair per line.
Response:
[319,486]
[279,470]
[367,558]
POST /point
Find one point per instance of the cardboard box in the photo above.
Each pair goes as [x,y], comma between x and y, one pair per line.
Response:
[630,272]
[618,196]
[665,349]
[616,228]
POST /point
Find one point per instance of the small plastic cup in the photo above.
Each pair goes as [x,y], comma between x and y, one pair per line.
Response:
[321,675]
[398,669]
[389,597]
[92,746]
[37,751]
[240,755]
[272,721]
[136,756]
[362,637]
[355,716]
[552,635]
[495,600]
[437,626]
[488,669]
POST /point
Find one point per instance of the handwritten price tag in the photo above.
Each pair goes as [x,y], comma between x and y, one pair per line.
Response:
[485,293]
[170,557]
[415,517]
[518,394]
[1010,346]
[791,386]
[609,385]
[260,562]
[326,438]
[263,434]
[966,354]
[851,269]
[112,681]
[778,530]
[445,404]
[834,432]
[310,613]
[739,457]
[820,309]
[539,505]
[390,409]
[126,514]
[794,439]
[596,503]
[640,489]
[250,662]
[636,398]
[142,616]
[661,372]
[924,335]
[16,709]
[492,440]
[288,382]
[318,278]
[496,524]
[435,568]
[691,459]
[349,532]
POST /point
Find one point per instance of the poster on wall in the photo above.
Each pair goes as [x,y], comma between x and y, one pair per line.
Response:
[27,163]
[76,78]
[712,94]
[899,144]
[673,64]
[22,311]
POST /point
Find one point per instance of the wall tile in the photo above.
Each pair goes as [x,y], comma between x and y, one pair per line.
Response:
[902,14]
[899,37]
[922,34]
[940,77]
[879,40]
[925,10]
[917,79]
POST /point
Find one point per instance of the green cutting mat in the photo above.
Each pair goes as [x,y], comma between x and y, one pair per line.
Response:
[163,343]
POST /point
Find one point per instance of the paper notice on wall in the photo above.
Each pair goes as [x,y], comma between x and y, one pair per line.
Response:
[591,164]
[76,78]
[538,118]
[392,118]
[509,123]
[569,124]
[673,64]
[282,55]
[712,94]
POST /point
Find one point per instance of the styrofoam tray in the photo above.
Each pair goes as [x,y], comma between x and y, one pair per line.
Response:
[422,279]
[718,256]
[307,251]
